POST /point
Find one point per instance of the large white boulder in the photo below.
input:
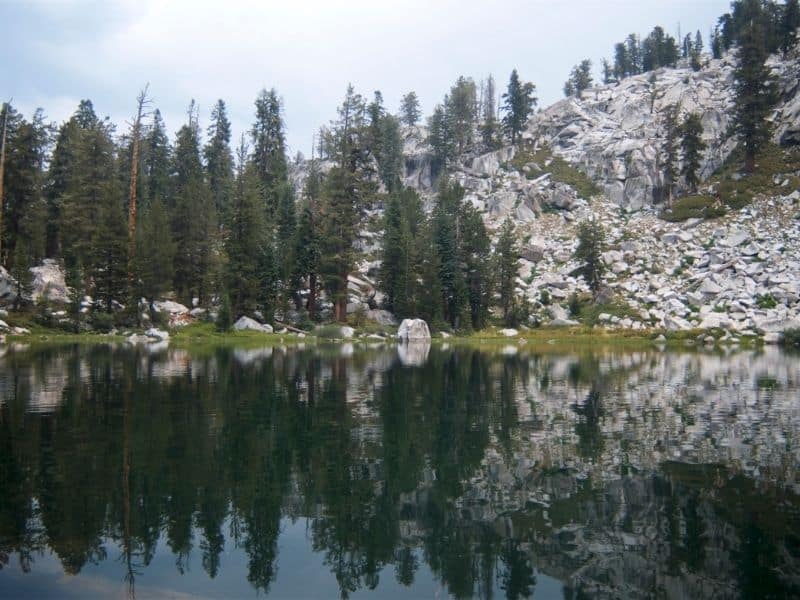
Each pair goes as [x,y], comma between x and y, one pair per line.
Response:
[248,324]
[48,280]
[413,329]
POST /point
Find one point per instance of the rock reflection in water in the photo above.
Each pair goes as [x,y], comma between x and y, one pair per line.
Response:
[617,474]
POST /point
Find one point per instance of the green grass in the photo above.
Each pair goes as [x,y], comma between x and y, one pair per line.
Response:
[737,191]
[694,207]
[559,169]
[207,334]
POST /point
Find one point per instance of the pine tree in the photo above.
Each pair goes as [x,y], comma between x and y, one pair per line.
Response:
[507,268]
[440,138]
[225,315]
[580,79]
[155,252]
[400,266]
[409,109]
[109,254]
[246,237]
[518,105]
[670,150]
[789,24]
[461,110]
[219,159]
[591,243]
[157,160]
[20,271]
[341,217]
[755,90]
[193,218]
[269,147]
[475,254]
[24,208]
[446,217]
[307,244]
[608,72]
[692,145]
[490,128]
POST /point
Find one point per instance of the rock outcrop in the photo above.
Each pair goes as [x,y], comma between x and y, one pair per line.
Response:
[413,330]
[248,324]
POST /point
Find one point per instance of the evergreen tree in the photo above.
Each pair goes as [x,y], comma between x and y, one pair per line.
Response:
[340,223]
[591,244]
[285,226]
[518,106]
[716,44]
[246,238]
[440,138]
[109,253]
[446,237]
[409,109]
[622,66]
[193,218]
[461,109]
[399,274]
[156,161]
[219,159]
[24,208]
[579,79]
[669,150]
[697,52]
[76,291]
[225,315]
[475,254]
[269,147]
[390,159]
[755,90]
[692,145]
[155,252]
[789,24]
[608,72]
[507,267]
[307,243]
[490,128]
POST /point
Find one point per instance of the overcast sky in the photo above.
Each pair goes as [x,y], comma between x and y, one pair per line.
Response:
[59,51]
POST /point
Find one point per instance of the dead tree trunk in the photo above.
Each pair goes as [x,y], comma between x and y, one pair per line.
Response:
[136,134]
[6,108]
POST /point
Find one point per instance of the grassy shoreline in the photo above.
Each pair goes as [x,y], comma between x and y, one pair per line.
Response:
[205,334]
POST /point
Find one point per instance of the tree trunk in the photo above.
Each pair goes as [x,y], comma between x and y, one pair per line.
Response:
[132,201]
[311,305]
[2,173]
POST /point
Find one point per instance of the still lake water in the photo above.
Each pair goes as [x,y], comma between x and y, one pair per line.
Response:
[393,473]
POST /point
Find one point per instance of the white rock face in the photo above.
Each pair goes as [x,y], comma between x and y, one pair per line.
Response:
[413,329]
[48,278]
[509,332]
[248,324]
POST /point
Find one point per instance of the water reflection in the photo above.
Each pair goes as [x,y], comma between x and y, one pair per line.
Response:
[488,474]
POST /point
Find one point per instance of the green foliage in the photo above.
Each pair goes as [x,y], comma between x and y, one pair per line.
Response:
[269,147]
[409,109]
[692,146]
[736,191]
[755,88]
[693,207]
[225,314]
[155,252]
[766,301]
[519,102]
[507,268]
[669,150]
[579,79]
[219,159]
[591,244]
[791,338]
[402,253]
[560,170]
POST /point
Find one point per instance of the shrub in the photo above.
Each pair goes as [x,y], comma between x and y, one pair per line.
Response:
[791,338]
[693,207]
[766,301]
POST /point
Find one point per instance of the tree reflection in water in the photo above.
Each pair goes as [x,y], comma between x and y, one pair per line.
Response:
[633,474]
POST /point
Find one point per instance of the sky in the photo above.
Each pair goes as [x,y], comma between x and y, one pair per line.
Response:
[57,52]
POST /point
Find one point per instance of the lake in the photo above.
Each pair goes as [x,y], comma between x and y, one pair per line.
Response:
[410,472]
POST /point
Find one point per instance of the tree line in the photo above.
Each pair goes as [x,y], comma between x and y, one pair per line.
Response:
[133,216]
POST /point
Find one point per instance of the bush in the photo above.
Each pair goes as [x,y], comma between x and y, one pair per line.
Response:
[544,297]
[102,321]
[791,338]
[693,207]
[766,301]
[225,316]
